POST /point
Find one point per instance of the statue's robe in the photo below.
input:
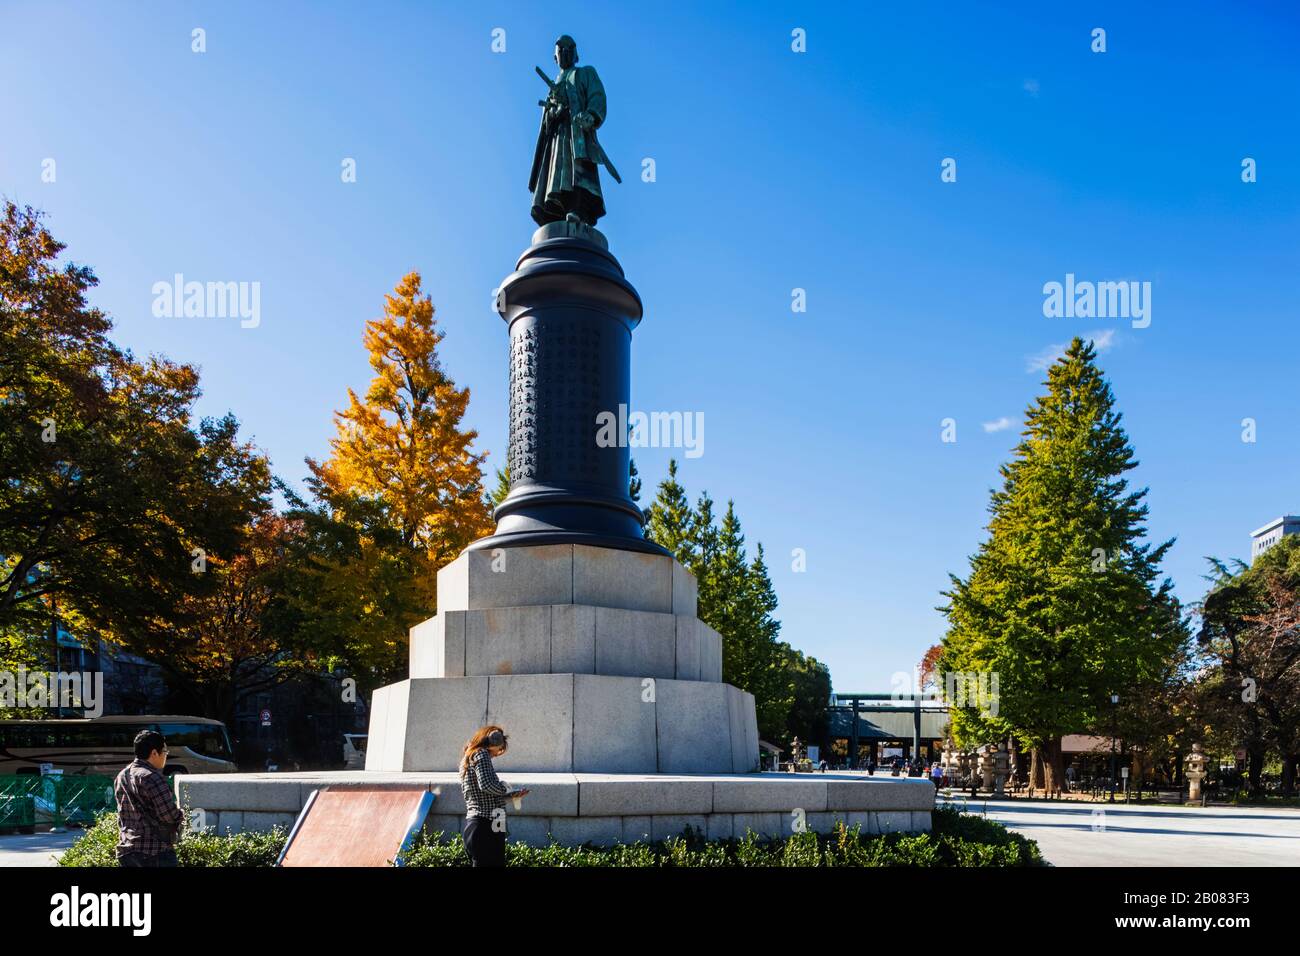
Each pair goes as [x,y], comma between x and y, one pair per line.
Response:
[565,177]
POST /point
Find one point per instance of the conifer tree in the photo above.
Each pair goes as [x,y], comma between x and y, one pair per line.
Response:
[1062,602]
[501,490]
[669,519]
[704,534]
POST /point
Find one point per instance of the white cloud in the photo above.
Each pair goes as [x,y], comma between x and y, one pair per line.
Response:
[1001,425]
[1102,340]
[1031,86]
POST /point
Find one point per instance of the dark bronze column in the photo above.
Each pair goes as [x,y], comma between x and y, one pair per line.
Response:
[570,314]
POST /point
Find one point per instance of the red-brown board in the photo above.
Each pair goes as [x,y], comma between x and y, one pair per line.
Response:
[356,826]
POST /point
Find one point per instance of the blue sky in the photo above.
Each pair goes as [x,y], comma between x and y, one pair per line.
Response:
[775,170]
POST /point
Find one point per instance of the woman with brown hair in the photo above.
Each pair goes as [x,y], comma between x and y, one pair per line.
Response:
[485,797]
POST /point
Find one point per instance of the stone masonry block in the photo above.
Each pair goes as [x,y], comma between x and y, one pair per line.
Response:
[613,725]
[769,792]
[634,644]
[507,577]
[438,646]
[508,640]
[599,831]
[685,591]
[689,633]
[573,639]
[694,726]
[537,712]
[441,716]
[641,795]
[668,825]
[631,580]
[711,655]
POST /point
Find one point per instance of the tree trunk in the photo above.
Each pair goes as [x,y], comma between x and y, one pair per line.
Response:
[1288,774]
[1035,771]
[1053,767]
[1256,767]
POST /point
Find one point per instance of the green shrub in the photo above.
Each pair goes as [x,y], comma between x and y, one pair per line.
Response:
[957,839]
[98,847]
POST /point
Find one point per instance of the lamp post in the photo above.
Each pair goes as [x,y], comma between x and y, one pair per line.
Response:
[1114,702]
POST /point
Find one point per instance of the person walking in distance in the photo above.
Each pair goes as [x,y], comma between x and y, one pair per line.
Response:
[485,797]
[148,819]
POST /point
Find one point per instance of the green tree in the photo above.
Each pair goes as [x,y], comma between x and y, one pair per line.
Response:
[349,587]
[669,520]
[501,489]
[112,497]
[1250,630]
[1062,603]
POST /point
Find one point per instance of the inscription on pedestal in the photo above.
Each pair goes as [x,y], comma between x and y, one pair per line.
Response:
[556,389]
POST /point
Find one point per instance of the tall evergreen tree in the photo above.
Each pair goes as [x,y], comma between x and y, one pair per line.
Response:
[669,520]
[500,490]
[707,542]
[1062,601]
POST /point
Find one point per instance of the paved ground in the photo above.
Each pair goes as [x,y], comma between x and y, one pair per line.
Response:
[36,849]
[1085,834]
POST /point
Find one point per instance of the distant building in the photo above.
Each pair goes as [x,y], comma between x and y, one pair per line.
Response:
[1264,538]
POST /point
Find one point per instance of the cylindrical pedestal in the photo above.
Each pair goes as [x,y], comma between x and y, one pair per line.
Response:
[570,313]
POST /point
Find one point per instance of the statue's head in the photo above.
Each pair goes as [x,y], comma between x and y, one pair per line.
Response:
[566,52]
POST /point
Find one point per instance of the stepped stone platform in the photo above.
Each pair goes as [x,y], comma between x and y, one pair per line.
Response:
[610,690]
[603,809]
[591,658]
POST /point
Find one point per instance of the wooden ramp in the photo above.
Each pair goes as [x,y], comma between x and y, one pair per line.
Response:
[356,826]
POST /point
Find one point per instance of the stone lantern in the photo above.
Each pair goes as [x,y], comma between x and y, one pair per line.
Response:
[1001,759]
[985,766]
[1195,773]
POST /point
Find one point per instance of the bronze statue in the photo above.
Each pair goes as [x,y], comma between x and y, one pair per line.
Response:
[565,180]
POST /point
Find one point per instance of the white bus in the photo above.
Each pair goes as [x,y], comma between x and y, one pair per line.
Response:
[104,745]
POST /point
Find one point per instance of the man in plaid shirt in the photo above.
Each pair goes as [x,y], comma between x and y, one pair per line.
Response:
[149,821]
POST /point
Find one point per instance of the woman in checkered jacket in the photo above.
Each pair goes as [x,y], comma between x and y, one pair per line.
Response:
[485,797]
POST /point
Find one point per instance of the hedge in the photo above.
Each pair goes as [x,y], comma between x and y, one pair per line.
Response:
[957,839]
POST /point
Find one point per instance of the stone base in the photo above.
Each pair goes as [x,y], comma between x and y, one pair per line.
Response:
[592,660]
[566,723]
[602,809]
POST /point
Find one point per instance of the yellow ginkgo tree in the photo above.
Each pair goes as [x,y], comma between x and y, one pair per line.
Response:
[403,445]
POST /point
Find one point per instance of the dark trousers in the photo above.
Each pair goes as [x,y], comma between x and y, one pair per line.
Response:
[487,847]
[164,858]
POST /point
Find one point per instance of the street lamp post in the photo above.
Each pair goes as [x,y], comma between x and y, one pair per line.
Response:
[1114,702]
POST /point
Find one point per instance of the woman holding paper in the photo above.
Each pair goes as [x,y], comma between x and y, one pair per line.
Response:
[485,797]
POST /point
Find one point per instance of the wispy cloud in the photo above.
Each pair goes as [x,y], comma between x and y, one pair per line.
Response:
[1001,425]
[1102,340]
[1031,86]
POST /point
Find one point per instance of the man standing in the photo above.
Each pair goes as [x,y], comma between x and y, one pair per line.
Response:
[149,821]
[565,179]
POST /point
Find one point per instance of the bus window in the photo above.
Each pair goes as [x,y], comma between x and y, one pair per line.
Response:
[206,740]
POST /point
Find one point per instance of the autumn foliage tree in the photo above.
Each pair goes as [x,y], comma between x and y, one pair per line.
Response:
[403,444]
[226,652]
[401,495]
[110,492]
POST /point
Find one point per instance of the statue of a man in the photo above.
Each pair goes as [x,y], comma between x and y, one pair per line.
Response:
[565,180]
